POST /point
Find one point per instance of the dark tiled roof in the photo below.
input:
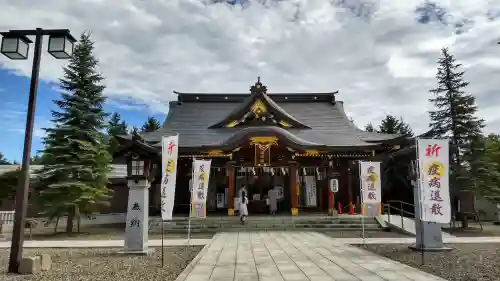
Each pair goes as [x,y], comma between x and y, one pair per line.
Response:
[328,122]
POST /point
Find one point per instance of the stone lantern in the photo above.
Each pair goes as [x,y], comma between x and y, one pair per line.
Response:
[139,173]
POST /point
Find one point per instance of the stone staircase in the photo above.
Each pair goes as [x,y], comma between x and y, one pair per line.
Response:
[264,223]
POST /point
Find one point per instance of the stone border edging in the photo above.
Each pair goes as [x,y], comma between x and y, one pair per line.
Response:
[185,273]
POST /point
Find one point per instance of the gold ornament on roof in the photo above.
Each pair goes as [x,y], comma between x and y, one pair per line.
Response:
[258,107]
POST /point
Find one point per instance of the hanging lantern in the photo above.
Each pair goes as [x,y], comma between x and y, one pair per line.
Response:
[304,172]
[272,172]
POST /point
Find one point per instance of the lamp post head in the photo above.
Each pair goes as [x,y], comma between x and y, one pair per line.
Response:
[61,44]
[15,47]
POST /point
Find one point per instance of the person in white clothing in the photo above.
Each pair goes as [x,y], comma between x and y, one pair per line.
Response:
[273,200]
[243,207]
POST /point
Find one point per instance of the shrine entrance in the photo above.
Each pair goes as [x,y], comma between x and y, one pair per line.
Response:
[263,184]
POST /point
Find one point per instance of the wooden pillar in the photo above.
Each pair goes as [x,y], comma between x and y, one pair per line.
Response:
[349,182]
[230,190]
[293,191]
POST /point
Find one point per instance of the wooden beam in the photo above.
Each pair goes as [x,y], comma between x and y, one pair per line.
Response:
[294,191]
[230,190]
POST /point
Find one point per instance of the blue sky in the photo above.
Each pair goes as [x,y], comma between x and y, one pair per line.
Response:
[379,54]
[14,91]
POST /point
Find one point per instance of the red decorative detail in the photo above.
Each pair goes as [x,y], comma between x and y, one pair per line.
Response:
[339,209]
[170,148]
[432,150]
[351,208]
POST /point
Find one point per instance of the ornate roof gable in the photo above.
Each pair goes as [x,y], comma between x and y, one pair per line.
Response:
[259,110]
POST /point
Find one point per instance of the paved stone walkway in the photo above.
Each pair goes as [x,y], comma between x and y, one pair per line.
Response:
[292,256]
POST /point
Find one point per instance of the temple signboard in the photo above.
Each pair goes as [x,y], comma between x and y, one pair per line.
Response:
[262,157]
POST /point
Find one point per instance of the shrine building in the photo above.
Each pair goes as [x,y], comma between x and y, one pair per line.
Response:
[260,140]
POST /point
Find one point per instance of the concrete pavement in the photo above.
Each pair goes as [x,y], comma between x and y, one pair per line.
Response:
[292,256]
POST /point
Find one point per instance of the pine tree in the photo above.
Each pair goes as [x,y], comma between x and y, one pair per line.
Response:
[391,125]
[115,128]
[483,163]
[3,160]
[76,159]
[151,125]
[454,117]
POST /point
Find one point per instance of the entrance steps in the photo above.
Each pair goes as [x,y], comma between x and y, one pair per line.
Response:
[264,223]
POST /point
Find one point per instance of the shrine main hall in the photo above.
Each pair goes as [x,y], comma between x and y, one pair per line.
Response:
[295,142]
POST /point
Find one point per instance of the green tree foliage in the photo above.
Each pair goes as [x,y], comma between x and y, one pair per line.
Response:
[483,163]
[391,125]
[3,160]
[8,184]
[76,158]
[134,131]
[116,126]
[454,117]
[36,160]
[151,125]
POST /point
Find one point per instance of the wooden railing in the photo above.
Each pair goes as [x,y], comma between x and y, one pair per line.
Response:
[7,217]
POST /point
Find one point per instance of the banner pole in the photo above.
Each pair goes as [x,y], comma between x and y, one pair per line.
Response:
[162,250]
[360,175]
[363,224]
[190,204]
[420,203]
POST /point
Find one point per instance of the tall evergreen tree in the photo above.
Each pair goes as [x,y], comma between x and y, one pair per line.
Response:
[151,125]
[454,117]
[483,166]
[76,158]
[116,126]
[391,125]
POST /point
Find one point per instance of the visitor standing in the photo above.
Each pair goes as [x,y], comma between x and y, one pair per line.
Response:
[273,200]
[243,207]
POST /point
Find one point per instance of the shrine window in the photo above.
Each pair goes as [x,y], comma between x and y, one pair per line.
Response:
[137,167]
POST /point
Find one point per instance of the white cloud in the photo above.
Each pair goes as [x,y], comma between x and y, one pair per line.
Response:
[375,52]
[13,119]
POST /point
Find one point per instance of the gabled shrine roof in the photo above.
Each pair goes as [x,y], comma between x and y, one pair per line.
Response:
[326,124]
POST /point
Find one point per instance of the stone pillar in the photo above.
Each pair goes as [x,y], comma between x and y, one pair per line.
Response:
[136,229]
[230,190]
[293,191]
[429,235]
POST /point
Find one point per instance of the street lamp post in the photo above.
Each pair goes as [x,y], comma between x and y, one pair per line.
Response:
[15,45]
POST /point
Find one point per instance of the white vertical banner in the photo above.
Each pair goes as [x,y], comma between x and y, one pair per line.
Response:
[434,167]
[310,190]
[371,187]
[169,154]
[201,178]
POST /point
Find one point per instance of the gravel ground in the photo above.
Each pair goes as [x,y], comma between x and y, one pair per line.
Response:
[467,262]
[474,230]
[105,264]
[368,234]
[107,234]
